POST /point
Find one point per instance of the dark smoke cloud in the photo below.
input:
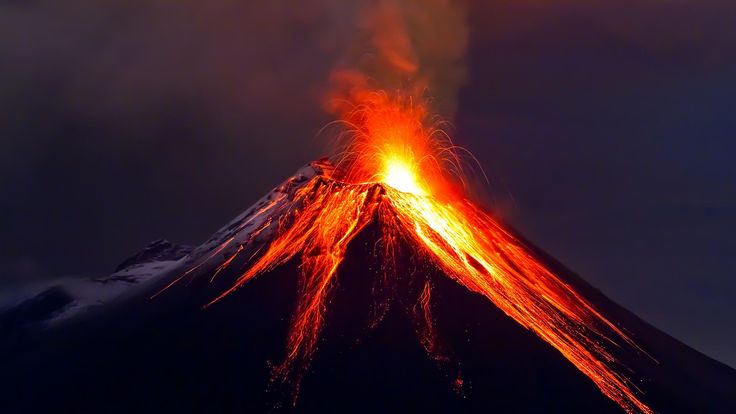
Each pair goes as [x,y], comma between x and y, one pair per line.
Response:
[115,61]
[118,119]
[123,66]
[413,44]
[419,45]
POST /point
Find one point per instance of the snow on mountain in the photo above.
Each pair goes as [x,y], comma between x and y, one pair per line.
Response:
[51,304]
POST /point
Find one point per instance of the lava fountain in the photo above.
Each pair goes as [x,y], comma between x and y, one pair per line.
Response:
[397,167]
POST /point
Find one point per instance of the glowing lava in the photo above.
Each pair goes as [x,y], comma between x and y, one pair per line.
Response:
[395,169]
[399,175]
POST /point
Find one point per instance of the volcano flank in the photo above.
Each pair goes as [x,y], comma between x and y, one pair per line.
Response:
[393,336]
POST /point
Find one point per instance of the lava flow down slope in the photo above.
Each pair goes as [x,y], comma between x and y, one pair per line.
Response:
[393,171]
[367,282]
[403,173]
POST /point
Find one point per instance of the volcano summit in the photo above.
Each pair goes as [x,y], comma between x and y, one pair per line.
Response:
[399,327]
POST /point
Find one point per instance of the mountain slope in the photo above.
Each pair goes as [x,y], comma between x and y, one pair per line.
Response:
[139,354]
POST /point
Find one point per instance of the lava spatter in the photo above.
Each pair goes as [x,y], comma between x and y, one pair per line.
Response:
[398,168]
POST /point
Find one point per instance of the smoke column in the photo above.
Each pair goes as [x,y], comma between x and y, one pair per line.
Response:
[416,47]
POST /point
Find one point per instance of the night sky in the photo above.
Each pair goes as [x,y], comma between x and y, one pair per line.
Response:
[606,129]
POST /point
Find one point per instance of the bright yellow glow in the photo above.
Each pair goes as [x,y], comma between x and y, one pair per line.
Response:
[399,175]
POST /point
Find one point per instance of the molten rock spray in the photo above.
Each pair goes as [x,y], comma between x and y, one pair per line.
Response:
[396,166]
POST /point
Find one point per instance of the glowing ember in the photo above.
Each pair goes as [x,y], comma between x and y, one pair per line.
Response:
[400,176]
[397,170]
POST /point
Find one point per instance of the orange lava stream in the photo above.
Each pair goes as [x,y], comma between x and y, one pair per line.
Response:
[479,254]
[326,217]
[427,330]
[399,172]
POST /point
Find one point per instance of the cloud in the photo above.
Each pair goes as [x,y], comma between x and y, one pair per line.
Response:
[417,46]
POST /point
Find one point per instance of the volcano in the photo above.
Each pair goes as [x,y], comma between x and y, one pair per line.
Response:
[379,335]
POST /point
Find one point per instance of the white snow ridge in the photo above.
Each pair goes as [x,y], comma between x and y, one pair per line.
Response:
[62,301]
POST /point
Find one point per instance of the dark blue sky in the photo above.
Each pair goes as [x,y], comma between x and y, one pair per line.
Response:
[606,129]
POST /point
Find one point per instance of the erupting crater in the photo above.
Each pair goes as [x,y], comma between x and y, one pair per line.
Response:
[398,167]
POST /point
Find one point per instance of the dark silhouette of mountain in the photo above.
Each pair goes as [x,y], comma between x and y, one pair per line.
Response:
[60,352]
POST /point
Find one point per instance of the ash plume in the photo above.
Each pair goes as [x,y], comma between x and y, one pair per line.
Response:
[410,45]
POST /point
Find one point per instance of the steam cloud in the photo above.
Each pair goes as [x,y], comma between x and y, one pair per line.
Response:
[412,45]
